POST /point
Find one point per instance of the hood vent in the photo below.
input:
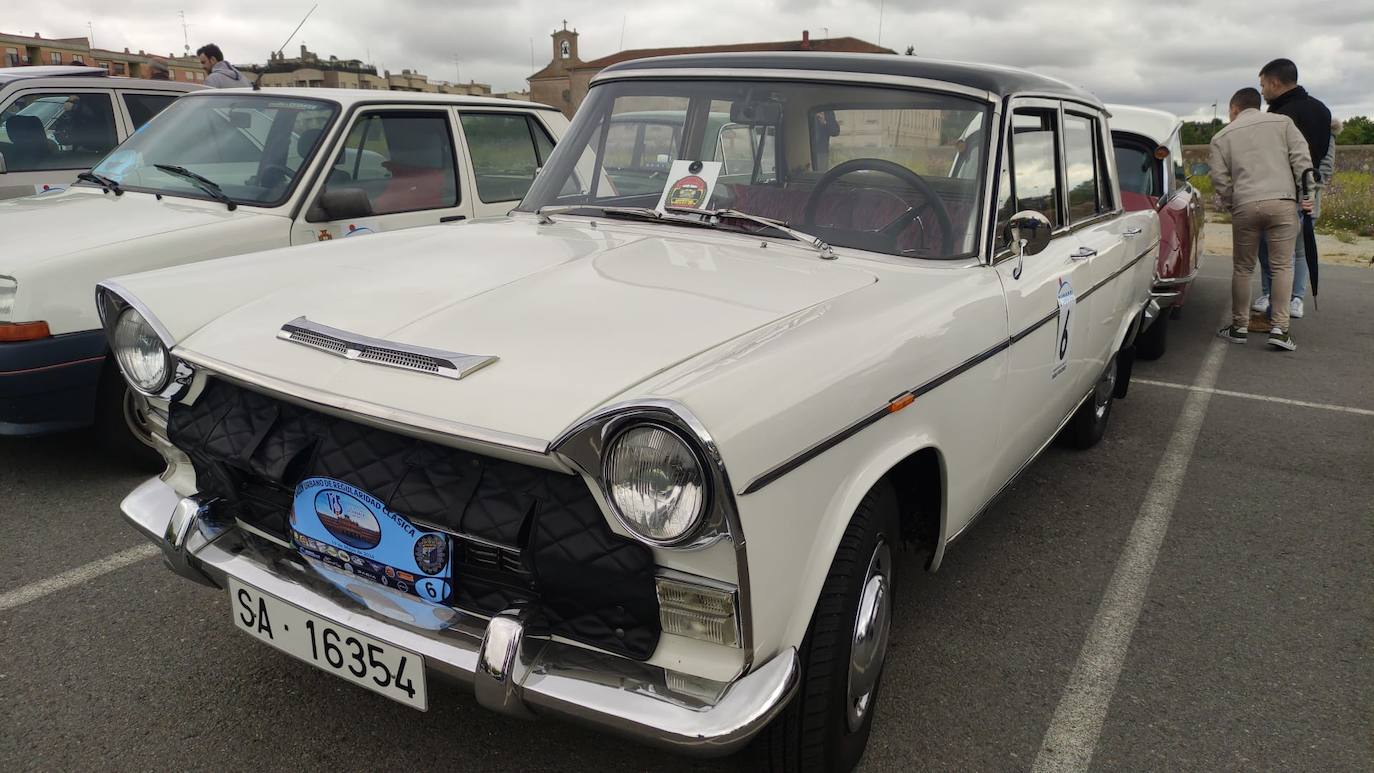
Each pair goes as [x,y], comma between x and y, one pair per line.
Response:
[353,346]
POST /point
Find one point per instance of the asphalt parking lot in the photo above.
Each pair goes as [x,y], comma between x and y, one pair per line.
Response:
[1197,593]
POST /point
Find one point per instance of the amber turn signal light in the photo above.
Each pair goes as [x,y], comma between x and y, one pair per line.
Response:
[11,332]
[1161,152]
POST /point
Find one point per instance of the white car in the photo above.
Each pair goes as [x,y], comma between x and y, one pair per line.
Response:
[651,468]
[58,121]
[224,172]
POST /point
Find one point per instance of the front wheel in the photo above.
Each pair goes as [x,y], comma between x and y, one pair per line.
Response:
[1089,422]
[826,726]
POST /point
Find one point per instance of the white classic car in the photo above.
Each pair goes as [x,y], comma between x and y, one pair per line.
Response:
[57,121]
[650,467]
[224,172]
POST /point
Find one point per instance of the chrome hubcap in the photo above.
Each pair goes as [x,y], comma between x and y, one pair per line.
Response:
[136,417]
[871,626]
[1102,395]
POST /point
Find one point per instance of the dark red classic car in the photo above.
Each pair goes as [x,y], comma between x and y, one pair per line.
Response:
[1149,161]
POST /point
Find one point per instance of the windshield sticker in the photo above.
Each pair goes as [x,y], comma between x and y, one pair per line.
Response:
[1061,341]
[350,228]
[350,530]
[43,188]
[690,184]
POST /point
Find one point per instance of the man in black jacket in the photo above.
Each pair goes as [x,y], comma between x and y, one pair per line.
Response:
[1279,86]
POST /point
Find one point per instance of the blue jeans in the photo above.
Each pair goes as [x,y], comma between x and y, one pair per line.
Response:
[1299,265]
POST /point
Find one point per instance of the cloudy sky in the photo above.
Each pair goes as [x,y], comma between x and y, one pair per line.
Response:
[1179,55]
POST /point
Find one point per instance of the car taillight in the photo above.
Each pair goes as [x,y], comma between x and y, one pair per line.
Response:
[11,332]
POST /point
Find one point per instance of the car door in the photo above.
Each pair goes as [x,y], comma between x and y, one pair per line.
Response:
[1094,214]
[1047,326]
[49,135]
[505,150]
[395,167]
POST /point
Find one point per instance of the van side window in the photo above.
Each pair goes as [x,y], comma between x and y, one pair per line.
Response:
[57,131]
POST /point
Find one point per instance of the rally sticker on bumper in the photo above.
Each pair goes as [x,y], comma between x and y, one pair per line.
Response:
[350,530]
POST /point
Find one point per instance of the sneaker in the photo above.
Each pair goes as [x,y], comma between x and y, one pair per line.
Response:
[1295,308]
[1281,339]
[1261,304]
[1235,333]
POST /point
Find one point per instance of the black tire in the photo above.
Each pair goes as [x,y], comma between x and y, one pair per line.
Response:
[1089,422]
[112,428]
[1152,342]
[814,732]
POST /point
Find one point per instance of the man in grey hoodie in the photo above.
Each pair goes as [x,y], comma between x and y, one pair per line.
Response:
[219,74]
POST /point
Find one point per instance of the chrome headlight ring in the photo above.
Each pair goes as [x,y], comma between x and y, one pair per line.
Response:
[588,446]
[116,305]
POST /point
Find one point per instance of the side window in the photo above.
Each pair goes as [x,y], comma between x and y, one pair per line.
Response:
[1137,168]
[543,143]
[1034,163]
[402,160]
[57,131]
[1081,167]
[142,107]
[503,153]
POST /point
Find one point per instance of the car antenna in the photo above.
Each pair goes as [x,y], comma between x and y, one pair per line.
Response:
[282,47]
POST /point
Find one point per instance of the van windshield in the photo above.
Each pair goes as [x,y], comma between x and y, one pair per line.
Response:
[252,147]
[866,167]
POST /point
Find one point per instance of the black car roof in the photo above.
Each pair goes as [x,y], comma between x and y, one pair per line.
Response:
[8,74]
[995,79]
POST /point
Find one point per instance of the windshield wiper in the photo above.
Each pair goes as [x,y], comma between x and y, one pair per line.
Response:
[105,183]
[716,215]
[204,183]
[638,213]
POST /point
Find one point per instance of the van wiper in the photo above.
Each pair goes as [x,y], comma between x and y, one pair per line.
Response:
[714,216]
[204,183]
[105,183]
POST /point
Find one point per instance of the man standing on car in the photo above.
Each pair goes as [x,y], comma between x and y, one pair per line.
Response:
[219,74]
[1279,86]
[1257,166]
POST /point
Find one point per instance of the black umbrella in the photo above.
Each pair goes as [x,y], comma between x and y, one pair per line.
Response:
[1309,234]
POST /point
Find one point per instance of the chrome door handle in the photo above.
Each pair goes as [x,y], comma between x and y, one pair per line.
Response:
[1131,232]
[1083,253]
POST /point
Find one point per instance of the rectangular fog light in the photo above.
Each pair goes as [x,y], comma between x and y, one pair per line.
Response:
[699,611]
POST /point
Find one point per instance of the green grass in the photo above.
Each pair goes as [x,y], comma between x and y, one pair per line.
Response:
[1348,204]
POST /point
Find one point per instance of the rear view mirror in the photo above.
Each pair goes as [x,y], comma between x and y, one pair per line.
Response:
[760,112]
[340,204]
[240,119]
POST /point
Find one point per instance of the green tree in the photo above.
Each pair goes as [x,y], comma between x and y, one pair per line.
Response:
[1200,132]
[1359,130]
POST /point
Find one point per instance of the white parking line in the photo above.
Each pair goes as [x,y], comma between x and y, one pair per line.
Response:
[1077,722]
[1250,396]
[37,590]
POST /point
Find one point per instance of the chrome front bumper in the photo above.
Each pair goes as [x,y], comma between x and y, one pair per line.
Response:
[510,672]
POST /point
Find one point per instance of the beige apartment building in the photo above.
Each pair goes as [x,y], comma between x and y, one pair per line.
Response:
[23,50]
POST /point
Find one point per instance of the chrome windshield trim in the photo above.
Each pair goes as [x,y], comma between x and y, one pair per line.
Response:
[859,78]
[392,354]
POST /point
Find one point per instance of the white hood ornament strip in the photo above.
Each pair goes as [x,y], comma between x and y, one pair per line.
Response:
[353,346]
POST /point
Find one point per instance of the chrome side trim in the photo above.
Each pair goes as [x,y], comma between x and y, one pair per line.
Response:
[354,346]
[860,78]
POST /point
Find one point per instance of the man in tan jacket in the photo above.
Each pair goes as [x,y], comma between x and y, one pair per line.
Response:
[1257,166]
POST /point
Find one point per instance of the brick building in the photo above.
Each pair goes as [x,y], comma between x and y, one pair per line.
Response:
[564,80]
[23,50]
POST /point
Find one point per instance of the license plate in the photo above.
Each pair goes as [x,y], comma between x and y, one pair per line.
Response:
[384,668]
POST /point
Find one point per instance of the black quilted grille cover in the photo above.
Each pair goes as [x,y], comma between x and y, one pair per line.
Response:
[584,581]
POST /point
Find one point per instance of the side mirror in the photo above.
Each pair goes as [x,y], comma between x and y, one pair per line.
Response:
[340,204]
[1028,233]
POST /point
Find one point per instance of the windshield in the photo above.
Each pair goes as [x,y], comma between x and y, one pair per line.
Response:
[878,169]
[252,147]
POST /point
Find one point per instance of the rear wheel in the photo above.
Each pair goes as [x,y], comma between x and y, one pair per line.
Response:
[826,726]
[1152,343]
[1089,422]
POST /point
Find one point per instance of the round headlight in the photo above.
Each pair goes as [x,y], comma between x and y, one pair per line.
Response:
[140,352]
[656,484]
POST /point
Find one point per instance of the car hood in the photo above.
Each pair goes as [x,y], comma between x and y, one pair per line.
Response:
[41,228]
[574,312]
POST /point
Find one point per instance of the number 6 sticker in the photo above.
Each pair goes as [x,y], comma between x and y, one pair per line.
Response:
[1061,341]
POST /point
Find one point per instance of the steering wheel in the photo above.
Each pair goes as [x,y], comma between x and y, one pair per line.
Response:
[903,220]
